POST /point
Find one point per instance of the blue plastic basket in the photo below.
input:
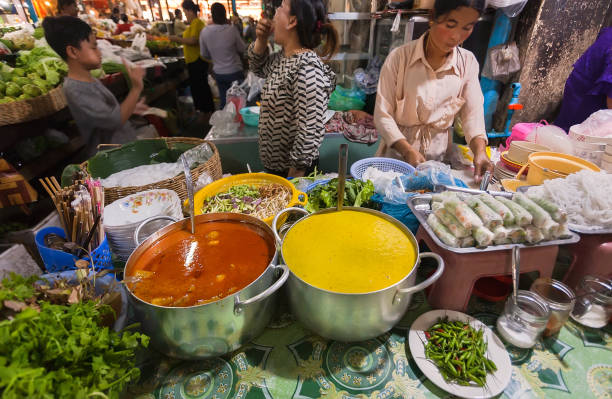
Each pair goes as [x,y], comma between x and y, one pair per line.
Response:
[382,164]
[59,261]
[249,117]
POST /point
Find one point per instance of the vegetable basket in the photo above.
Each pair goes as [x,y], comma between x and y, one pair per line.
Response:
[382,164]
[140,153]
[252,179]
[32,108]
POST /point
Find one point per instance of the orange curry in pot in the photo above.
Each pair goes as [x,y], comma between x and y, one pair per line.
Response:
[183,270]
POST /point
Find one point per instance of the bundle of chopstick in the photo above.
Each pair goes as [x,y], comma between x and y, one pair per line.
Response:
[80,207]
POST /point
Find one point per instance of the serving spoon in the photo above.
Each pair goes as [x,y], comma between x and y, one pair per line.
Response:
[189,185]
[342,159]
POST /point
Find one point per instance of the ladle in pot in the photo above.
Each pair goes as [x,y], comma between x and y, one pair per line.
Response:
[516,261]
[189,185]
[342,159]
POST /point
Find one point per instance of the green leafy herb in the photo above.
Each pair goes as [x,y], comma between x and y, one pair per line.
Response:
[356,193]
[17,288]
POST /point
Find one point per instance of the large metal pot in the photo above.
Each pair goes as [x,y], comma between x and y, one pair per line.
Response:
[215,328]
[354,317]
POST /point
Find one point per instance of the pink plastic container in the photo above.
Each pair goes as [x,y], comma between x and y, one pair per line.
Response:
[520,131]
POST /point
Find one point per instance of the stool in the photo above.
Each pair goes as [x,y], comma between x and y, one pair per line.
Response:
[461,271]
[592,255]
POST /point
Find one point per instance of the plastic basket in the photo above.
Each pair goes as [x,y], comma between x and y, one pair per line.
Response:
[59,261]
[382,164]
[249,117]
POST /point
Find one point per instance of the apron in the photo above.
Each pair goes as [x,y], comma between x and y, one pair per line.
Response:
[432,136]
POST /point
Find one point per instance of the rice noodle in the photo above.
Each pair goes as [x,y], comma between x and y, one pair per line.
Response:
[586,196]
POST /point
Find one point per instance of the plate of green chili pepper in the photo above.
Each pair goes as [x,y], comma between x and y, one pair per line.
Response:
[460,354]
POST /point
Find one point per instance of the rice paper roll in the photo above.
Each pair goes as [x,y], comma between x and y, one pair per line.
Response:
[517,234]
[550,229]
[468,219]
[533,235]
[436,205]
[489,217]
[499,208]
[483,236]
[556,213]
[502,241]
[442,232]
[451,223]
[440,197]
[467,242]
[540,216]
[521,216]
[563,231]
[500,232]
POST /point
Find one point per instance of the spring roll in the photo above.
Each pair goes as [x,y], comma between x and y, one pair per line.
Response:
[540,216]
[436,205]
[521,216]
[500,232]
[557,214]
[483,236]
[440,197]
[533,235]
[499,208]
[467,242]
[441,231]
[563,231]
[502,241]
[516,234]
[550,229]
[489,217]
[468,219]
[451,223]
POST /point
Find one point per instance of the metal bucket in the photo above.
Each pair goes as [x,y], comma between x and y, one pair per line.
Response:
[354,317]
[214,328]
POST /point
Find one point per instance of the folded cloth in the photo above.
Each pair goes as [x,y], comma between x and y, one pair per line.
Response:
[356,126]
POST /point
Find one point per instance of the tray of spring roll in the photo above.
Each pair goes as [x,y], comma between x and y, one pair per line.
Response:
[468,223]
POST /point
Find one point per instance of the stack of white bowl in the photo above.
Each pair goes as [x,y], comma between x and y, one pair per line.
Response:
[122,217]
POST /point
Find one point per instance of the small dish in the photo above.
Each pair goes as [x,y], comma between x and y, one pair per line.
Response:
[513,184]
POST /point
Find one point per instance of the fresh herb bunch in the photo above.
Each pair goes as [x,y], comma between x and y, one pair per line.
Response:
[17,288]
[356,193]
[459,352]
[63,352]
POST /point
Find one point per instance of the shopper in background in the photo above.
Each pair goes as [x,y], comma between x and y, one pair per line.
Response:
[179,25]
[424,84]
[124,26]
[196,66]
[221,43]
[298,85]
[115,16]
[250,31]
[237,24]
[97,113]
[67,8]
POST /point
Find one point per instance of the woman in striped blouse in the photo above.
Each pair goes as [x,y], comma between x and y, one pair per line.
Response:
[298,85]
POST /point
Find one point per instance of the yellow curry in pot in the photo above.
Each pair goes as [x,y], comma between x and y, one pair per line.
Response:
[348,252]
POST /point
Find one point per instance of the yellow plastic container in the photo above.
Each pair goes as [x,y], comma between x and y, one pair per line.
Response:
[252,179]
[552,165]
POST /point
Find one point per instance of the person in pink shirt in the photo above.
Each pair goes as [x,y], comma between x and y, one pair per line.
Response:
[426,83]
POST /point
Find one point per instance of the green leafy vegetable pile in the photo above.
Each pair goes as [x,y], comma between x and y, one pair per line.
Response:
[459,352]
[17,288]
[38,71]
[356,193]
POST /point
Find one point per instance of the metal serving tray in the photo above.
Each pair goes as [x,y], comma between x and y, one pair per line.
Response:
[421,207]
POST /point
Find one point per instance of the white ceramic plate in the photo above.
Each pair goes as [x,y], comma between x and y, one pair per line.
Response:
[496,382]
[140,206]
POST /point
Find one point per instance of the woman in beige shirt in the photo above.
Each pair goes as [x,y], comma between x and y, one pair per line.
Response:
[424,84]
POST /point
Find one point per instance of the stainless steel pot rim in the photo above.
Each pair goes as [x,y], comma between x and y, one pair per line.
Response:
[390,219]
[207,217]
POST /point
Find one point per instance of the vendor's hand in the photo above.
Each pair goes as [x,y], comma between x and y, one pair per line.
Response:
[264,29]
[136,75]
[482,163]
[141,107]
[413,157]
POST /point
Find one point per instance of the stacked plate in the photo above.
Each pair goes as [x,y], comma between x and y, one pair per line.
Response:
[122,217]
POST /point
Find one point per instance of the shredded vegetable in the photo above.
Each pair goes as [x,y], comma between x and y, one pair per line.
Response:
[261,202]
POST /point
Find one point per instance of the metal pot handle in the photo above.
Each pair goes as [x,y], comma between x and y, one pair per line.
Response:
[240,305]
[278,215]
[432,279]
[147,221]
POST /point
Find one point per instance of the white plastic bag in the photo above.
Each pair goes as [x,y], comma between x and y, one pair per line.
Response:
[599,124]
[255,84]
[223,122]
[552,137]
[140,42]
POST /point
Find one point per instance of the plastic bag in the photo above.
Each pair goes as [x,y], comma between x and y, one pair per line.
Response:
[367,80]
[511,8]
[255,84]
[427,175]
[345,100]
[599,124]
[503,61]
[238,97]
[203,181]
[521,131]
[223,122]
[552,137]
[140,42]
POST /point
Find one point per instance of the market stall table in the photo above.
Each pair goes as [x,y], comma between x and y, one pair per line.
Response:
[288,361]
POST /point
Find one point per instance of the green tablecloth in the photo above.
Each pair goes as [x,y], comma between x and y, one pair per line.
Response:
[288,361]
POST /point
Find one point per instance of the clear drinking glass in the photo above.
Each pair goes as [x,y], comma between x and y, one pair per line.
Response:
[560,299]
[522,323]
[594,305]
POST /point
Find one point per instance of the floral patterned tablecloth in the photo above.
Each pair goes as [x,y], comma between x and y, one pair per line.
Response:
[289,361]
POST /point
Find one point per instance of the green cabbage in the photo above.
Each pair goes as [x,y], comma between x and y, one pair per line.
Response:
[13,89]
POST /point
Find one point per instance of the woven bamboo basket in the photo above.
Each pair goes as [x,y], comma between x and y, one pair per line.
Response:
[32,108]
[212,167]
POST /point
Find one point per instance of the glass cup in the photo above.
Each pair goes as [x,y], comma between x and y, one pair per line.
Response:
[521,324]
[594,306]
[560,299]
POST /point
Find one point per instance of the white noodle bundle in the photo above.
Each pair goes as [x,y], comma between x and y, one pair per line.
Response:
[586,196]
